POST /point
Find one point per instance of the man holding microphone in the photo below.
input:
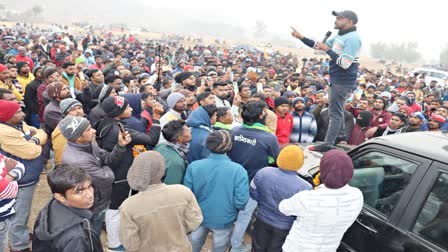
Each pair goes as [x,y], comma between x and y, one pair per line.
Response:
[344,51]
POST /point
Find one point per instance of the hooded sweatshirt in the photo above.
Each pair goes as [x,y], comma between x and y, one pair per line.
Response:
[201,126]
[134,121]
[89,60]
[62,228]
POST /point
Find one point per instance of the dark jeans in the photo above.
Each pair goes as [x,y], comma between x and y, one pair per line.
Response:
[338,95]
[266,238]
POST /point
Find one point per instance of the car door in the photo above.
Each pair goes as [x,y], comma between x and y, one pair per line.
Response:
[387,178]
[426,218]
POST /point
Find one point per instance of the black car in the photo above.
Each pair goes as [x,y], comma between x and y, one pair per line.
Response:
[404,181]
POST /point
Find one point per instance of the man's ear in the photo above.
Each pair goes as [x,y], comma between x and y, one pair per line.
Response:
[59,197]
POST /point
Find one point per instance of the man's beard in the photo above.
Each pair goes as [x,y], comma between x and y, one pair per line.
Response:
[222,97]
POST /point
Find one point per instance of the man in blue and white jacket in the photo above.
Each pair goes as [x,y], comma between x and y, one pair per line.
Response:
[344,52]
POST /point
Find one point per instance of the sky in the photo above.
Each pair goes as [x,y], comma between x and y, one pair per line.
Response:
[391,21]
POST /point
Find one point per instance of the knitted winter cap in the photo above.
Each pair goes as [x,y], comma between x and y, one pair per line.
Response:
[3,68]
[280,101]
[72,127]
[419,115]
[147,169]
[290,158]
[219,141]
[289,93]
[386,94]
[54,89]
[68,104]
[114,106]
[173,98]
[7,110]
[297,99]
[438,118]
[336,169]
[80,60]
[182,76]
[103,92]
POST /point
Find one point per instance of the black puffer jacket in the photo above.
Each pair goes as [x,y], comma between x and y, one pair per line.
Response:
[107,136]
[59,228]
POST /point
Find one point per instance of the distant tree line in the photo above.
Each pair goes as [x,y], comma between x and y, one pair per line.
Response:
[404,52]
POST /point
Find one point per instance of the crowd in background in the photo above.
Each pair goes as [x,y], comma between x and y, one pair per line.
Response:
[113,115]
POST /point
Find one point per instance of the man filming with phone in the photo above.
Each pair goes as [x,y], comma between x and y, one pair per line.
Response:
[344,51]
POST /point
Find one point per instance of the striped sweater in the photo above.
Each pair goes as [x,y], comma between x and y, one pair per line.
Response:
[323,216]
[8,189]
[344,53]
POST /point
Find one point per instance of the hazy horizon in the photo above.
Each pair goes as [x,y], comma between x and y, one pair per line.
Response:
[385,21]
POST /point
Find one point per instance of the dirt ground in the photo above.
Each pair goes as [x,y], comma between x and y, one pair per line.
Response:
[42,196]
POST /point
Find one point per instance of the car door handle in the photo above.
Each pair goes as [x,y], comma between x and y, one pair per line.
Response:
[367,227]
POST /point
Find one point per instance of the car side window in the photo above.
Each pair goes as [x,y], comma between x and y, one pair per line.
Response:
[382,178]
[432,222]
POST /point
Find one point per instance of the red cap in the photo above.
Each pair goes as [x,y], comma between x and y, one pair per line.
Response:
[3,68]
[438,118]
[7,110]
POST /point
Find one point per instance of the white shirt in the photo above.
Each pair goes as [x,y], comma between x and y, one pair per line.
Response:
[323,216]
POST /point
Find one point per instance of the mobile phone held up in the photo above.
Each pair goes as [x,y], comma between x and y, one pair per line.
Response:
[121,128]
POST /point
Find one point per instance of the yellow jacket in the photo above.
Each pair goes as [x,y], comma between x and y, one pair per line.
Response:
[59,142]
[24,81]
[13,142]
[16,92]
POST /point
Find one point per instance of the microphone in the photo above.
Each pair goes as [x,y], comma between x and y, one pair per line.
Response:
[327,35]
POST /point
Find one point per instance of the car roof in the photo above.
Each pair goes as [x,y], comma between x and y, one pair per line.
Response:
[432,145]
[428,70]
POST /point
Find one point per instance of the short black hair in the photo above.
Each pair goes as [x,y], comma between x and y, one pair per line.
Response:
[173,129]
[260,96]
[400,115]
[98,56]
[143,87]
[202,96]
[221,112]
[67,64]
[48,72]
[90,72]
[4,91]
[128,79]
[111,78]
[219,83]
[65,177]
[243,86]
[252,111]
[210,109]
[146,95]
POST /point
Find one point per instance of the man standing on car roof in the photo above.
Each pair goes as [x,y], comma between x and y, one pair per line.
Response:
[344,53]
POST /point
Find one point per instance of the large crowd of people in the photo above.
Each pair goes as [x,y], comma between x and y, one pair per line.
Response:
[165,142]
